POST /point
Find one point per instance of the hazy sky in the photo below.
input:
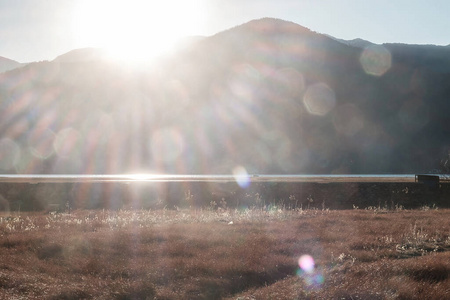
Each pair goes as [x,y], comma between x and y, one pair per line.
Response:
[32,30]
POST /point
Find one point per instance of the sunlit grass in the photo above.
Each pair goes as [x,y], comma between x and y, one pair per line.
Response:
[31,221]
[219,252]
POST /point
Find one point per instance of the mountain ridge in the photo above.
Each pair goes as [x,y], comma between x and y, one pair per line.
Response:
[7,64]
[269,96]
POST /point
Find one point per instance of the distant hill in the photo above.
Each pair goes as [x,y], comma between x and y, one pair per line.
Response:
[269,96]
[358,43]
[81,55]
[431,57]
[427,56]
[8,64]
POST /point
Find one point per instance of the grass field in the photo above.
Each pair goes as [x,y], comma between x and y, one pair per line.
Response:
[226,254]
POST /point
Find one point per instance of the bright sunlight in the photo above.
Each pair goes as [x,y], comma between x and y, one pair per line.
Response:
[134,30]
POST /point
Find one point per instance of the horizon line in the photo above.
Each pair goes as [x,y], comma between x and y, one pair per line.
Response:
[149,177]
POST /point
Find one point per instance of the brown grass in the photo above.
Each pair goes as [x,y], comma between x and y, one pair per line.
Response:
[358,254]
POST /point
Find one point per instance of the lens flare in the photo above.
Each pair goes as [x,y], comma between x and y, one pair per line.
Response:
[40,141]
[9,154]
[136,31]
[376,60]
[28,163]
[312,277]
[241,176]
[306,263]
[67,143]
[319,99]
[348,119]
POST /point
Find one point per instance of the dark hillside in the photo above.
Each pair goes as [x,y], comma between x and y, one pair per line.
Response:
[269,95]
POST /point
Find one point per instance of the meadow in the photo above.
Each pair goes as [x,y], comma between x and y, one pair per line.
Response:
[225,253]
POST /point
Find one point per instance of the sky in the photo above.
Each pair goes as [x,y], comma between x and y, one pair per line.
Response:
[35,30]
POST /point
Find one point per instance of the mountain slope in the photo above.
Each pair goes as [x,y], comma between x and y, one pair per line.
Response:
[358,43]
[81,55]
[268,96]
[431,57]
[8,64]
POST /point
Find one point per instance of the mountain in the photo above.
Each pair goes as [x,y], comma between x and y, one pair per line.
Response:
[431,57]
[358,43]
[81,55]
[268,96]
[428,56]
[8,64]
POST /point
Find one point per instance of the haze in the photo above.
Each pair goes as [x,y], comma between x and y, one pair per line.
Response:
[41,30]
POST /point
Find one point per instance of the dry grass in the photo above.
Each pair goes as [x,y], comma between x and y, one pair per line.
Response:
[204,254]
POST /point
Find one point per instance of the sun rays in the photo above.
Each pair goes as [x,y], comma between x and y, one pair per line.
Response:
[136,31]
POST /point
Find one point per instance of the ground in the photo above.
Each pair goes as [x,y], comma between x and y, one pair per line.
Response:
[372,253]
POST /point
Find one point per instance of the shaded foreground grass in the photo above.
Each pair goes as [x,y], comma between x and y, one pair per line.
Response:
[248,254]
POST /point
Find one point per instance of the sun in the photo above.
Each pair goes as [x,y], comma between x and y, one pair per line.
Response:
[136,30]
